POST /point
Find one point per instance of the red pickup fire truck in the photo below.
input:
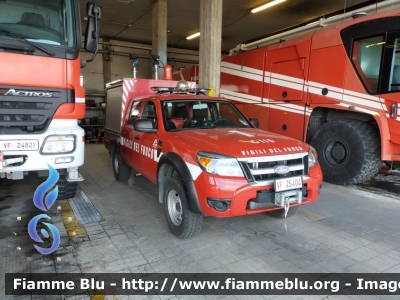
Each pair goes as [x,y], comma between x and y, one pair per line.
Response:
[206,157]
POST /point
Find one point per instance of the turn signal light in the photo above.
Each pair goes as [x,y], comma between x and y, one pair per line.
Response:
[205,161]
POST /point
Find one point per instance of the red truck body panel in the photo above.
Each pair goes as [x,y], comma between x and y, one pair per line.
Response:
[285,82]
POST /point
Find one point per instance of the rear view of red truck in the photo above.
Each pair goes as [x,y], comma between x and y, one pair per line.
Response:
[41,88]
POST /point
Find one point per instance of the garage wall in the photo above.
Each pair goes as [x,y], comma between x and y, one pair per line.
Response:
[121,66]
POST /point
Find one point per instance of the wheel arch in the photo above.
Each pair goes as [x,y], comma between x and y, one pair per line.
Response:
[322,115]
[168,163]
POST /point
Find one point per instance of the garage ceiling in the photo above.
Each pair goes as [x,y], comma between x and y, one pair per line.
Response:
[131,20]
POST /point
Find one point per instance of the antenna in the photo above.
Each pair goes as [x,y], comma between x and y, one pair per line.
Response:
[195,75]
[344,10]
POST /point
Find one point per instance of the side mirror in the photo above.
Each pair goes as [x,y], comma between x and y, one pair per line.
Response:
[92,28]
[255,122]
[144,125]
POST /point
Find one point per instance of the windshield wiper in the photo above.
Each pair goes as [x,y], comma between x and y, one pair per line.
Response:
[24,38]
[14,46]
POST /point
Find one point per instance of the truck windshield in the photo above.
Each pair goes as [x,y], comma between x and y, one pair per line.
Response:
[197,114]
[47,22]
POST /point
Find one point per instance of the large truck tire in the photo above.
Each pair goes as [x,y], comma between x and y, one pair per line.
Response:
[66,189]
[181,221]
[349,151]
[122,171]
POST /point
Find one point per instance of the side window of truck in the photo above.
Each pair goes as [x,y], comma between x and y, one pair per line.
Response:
[367,58]
[394,80]
[149,112]
[134,112]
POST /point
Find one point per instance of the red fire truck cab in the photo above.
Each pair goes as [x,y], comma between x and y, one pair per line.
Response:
[41,88]
[206,157]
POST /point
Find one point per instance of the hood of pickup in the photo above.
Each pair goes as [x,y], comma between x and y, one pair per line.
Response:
[240,142]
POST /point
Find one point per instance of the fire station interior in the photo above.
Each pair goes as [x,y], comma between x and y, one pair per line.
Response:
[120,226]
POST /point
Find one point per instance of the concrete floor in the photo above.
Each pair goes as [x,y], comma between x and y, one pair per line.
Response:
[349,229]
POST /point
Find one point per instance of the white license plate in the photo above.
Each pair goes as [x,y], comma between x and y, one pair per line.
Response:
[19,145]
[291,183]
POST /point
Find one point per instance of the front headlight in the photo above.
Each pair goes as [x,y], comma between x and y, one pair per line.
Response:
[58,144]
[219,164]
[312,157]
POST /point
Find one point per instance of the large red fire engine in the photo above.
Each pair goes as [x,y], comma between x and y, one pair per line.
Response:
[41,88]
[336,87]
[204,155]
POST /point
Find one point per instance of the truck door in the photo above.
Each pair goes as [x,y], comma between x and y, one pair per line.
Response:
[145,144]
[327,74]
[128,143]
[286,70]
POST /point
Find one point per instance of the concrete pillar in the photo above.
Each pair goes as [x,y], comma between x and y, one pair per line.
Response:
[159,32]
[106,63]
[210,44]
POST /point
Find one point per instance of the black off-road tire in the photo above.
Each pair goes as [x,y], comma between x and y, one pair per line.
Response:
[175,199]
[66,189]
[122,171]
[349,151]
[280,213]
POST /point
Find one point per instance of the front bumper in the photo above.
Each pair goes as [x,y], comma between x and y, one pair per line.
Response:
[239,193]
[27,160]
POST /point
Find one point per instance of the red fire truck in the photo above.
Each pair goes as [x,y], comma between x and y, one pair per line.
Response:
[206,157]
[336,87]
[41,88]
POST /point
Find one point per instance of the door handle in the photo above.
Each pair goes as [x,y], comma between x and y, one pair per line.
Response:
[137,137]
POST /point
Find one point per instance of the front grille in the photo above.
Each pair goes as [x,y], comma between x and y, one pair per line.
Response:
[261,170]
[21,118]
[24,105]
[29,110]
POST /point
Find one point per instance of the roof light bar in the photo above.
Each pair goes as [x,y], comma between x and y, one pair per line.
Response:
[161,89]
[193,36]
[181,87]
[267,5]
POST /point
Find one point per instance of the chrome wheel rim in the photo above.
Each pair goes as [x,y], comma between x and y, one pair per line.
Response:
[174,205]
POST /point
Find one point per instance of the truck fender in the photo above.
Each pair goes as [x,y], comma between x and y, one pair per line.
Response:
[168,163]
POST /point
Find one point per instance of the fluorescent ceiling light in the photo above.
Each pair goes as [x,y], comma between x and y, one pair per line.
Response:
[193,36]
[275,2]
